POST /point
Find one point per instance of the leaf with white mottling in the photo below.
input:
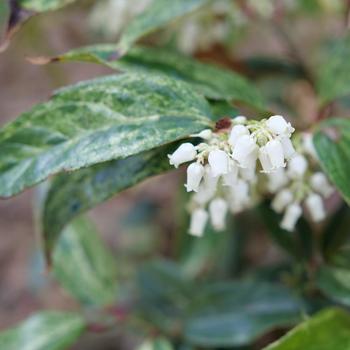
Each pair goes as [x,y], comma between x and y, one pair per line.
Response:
[95,121]
[49,330]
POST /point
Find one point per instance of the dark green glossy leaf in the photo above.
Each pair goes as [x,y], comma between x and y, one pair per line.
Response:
[333,81]
[334,282]
[83,265]
[157,15]
[48,330]
[237,313]
[332,142]
[212,81]
[95,121]
[328,330]
[71,194]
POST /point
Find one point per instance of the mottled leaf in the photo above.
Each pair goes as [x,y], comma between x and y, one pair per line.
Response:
[48,330]
[95,121]
[328,330]
[83,265]
[73,193]
[333,78]
[158,343]
[158,14]
[237,313]
[332,142]
[212,81]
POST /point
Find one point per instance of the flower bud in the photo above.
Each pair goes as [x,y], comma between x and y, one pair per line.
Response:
[265,160]
[236,132]
[219,162]
[217,210]
[278,125]
[319,183]
[291,216]
[297,166]
[245,151]
[314,205]
[288,148]
[185,153]
[240,119]
[281,200]
[204,134]
[195,172]
[199,218]
[275,153]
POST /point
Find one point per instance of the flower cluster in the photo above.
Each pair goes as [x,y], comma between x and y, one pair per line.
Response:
[224,171]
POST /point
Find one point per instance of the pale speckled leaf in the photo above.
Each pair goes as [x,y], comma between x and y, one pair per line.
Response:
[158,14]
[213,82]
[73,193]
[95,121]
[328,330]
[237,313]
[84,266]
[43,5]
[332,142]
[333,78]
[49,330]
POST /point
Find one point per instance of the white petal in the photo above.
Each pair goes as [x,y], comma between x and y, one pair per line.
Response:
[199,218]
[279,126]
[217,210]
[195,172]
[204,134]
[314,205]
[185,153]
[274,150]
[236,132]
[291,216]
[230,179]
[308,145]
[219,162]
[297,166]
[288,148]
[240,119]
[245,151]
[249,174]
[277,180]
[281,200]
[265,160]
[319,183]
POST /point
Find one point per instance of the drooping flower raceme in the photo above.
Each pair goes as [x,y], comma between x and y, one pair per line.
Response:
[226,165]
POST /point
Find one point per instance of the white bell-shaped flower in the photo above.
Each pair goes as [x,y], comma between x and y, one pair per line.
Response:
[207,188]
[274,150]
[185,153]
[288,148]
[195,172]
[276,180]
[308,145]
[230,179]
[249,174]
[219,162]
[240,119]
[245,151]
[218,209]
[281,200]
[199,218]
[297,166]
[319,183]
[265,160]
[314,205]
[279,126]
[236,132]
[291,216]
[204,134]
[239,197]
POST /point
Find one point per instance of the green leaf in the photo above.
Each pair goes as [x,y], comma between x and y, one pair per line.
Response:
[49,330]
[334,282]
[83,265]
[333,79]
[237,313]
[332,142]
[328,330]
[212,81]
[95,121]
[71,194]
[159,343]
[157,15]
[43,5]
